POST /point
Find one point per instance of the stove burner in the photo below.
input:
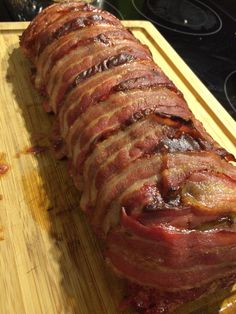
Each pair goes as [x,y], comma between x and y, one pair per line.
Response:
[230,90]
[181,16]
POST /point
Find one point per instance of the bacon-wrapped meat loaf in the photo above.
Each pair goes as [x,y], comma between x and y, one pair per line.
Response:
[155,186]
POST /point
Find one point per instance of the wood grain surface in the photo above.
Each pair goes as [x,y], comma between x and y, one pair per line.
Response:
[50,261]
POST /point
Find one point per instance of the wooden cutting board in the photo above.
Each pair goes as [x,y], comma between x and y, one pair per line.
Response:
[50,261]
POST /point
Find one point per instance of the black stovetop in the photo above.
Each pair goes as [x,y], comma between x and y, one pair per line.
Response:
[203,32]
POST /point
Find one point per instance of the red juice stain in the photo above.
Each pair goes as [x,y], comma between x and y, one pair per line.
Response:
[3,169]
